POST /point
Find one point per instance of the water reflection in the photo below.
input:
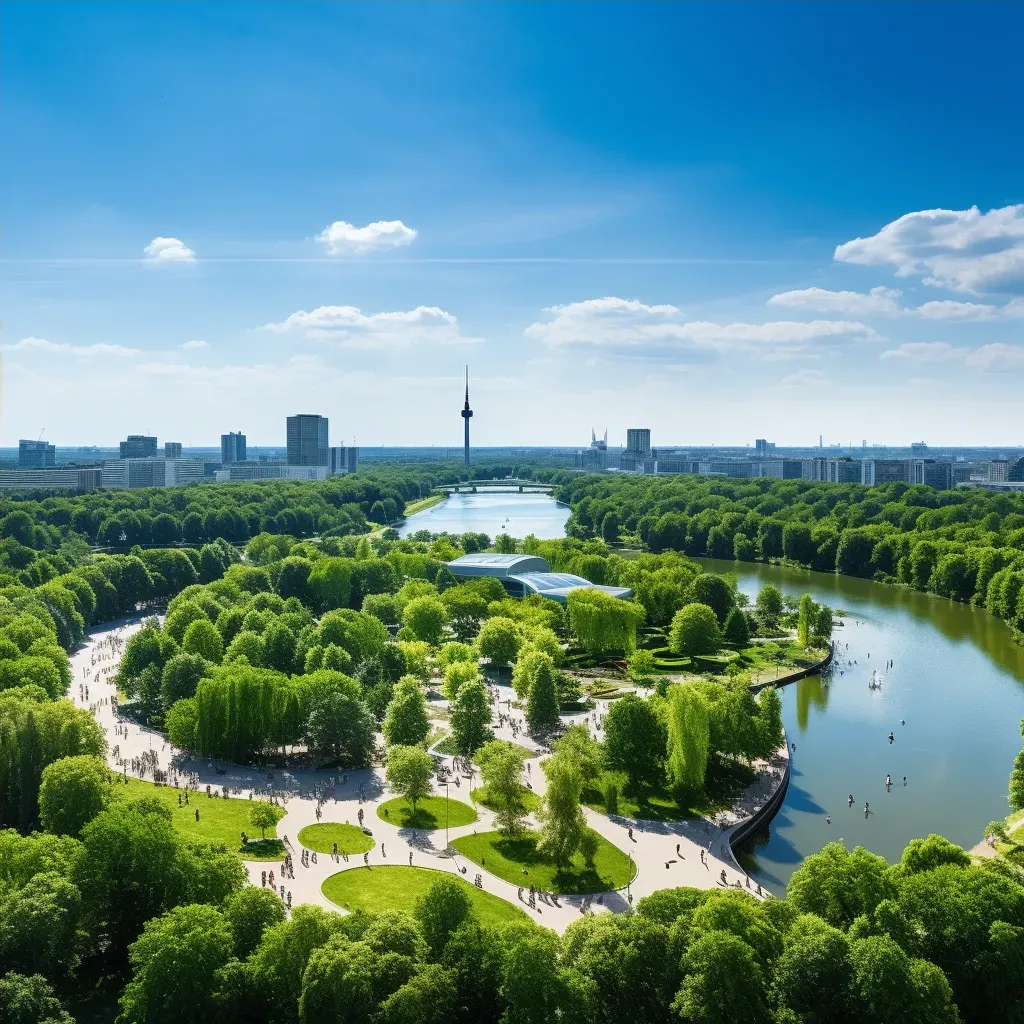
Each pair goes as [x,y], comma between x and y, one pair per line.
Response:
[955,682]
[492,513]
[812,690]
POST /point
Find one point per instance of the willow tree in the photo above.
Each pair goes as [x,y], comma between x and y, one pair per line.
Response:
[805,619]
[602,622]
[689,738]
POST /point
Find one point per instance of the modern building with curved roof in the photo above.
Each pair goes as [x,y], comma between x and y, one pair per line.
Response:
[523,575]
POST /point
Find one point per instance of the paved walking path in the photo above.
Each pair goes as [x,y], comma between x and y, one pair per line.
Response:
[652,847]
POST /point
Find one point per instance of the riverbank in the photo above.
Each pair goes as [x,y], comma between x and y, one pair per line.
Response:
[424,503]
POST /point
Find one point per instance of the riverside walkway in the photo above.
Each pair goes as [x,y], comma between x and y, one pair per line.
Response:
[652,847]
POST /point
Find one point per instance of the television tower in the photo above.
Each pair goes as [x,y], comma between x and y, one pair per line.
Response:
[466,413]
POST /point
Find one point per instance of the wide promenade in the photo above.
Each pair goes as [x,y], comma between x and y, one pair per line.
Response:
[653,845]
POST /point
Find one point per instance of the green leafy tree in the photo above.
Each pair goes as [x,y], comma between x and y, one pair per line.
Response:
[466,610]
[410,772]
[443,909]
[457,674]
[736,630]
[499,640]
[181,676]
[695,631]
[426,617]
[542,704]
[72,792]
[561,817]
[806,617]
[262,816]
[470,717]
[635,741]
[406,722]
[723,983]
[250,912]
[428,997]
[839,885]
[29,999]
[712,590]
[813,976]
[769,604]
[340,729]
[41,927]
[602,622]
[175,967]
[689,738]
[501,766]
[201,637]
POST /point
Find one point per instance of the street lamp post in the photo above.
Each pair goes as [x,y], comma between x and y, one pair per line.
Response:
[446,798]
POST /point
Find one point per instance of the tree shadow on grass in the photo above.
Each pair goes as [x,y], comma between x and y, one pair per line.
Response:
[577,879]
[262,849]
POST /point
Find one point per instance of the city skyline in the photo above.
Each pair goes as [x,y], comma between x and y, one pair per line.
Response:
[717,247]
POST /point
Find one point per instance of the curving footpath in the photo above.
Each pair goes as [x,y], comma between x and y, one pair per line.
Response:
[653,846]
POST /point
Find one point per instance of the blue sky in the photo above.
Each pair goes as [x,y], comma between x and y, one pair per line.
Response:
[720,221]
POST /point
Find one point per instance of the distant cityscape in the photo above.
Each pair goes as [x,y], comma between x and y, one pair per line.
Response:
[308,455]
[139,462]
[942,469]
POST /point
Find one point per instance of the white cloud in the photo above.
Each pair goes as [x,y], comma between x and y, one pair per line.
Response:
[632,327]
[169,250]
[352,328]
[965,250]
[971,311]
[922,352]
[992,358]
[878,300]
[194,344]
[805,378]
[996,357]
[86,351]
[342,237]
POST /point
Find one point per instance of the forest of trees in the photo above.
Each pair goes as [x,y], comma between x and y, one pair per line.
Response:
[964,544]
[279,646]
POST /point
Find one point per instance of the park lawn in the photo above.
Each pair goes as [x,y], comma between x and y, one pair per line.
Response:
[429,813]
[322,837]
[222,820]
[507,859]
[531,801]
[418,506]
[398,887]
[725,781]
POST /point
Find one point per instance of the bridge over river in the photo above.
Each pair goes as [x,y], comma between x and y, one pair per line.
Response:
[508,484]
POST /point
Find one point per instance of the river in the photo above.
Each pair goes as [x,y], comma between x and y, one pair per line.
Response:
[492,512]
[956,681]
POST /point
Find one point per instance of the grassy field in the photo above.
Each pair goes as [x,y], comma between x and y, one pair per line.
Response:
[519,862]
[418,506]
[222,820]
[429,813]
[530,799]
[400,888]
[322,837]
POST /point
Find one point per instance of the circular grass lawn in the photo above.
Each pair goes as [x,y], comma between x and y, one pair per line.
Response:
[507,858]
[401,888]
[531,802]
[322,837]
[429,813]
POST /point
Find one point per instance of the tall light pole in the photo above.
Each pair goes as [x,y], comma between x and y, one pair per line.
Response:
[446,799]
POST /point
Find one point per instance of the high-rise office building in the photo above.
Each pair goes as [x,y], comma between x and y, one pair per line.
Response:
[763,448]
[138,446]
[36,455]
[172,449]
[638,441]
[307,440]
[342,460]
[232,448]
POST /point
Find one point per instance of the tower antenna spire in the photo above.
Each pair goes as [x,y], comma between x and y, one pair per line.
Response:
[466,413]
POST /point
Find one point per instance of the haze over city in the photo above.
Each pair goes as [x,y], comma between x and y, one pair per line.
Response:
[220,216]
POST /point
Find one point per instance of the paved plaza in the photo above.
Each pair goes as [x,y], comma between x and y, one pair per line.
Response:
[653,845]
